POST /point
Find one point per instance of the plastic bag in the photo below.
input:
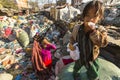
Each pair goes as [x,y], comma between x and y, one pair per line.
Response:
[75,54]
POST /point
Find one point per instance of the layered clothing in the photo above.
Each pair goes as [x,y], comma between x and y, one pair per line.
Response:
[89,44]
[42,60]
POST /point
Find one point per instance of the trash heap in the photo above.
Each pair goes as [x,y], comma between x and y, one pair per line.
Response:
[16,42]
[16,38]
[112,16]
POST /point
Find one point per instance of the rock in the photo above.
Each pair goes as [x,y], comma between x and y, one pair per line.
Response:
[108,71]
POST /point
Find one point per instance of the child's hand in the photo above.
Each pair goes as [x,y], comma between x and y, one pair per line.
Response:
[74,51]
[71,47]
[92,25]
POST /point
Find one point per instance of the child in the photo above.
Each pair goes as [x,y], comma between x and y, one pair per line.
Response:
[46,53]
[89,39]
[41,57]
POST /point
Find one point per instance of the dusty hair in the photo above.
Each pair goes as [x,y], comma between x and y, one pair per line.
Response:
[97,5]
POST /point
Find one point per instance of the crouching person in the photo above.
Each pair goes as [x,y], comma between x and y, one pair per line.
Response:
[41,57]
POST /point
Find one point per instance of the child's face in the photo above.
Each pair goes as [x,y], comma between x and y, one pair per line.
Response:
[91,16]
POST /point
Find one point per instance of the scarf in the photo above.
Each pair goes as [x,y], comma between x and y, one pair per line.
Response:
[85,46]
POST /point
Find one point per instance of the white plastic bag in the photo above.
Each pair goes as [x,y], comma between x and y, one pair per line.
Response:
[75,55]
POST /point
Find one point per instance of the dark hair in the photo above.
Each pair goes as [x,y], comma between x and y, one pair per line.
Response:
[94,4]
[39,38]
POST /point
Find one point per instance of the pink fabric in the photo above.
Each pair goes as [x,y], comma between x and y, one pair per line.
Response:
[46,54]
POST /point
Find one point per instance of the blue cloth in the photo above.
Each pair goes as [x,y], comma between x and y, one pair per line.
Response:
[18,77]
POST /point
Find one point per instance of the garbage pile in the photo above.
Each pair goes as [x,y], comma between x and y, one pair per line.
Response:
[111,52]
[16,38]
[16,42]
[112,16]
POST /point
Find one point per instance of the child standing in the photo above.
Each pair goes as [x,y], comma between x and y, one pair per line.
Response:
[89,39]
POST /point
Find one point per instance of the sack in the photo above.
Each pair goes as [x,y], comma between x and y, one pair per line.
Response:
[23,38]
[112,72]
